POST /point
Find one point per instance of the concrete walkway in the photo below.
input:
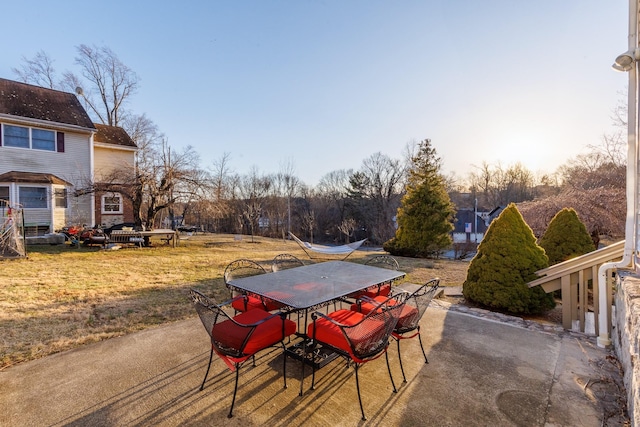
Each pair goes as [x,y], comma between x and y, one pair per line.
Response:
[481,372]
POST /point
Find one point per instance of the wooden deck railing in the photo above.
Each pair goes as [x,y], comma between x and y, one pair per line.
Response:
[577,278]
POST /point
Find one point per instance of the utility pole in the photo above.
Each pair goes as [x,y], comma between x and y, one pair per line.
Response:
[475,221]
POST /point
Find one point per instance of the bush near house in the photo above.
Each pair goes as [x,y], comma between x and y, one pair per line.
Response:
[507,259]
[566,237]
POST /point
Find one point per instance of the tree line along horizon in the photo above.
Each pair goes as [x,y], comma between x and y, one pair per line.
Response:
[386,200]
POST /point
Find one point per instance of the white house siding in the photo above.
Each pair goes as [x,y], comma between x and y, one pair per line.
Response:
[59,218]
[37,217]
[467,237]
[73,166]
[108,159]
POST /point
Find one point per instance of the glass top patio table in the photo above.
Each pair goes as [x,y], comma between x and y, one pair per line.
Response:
[315,284]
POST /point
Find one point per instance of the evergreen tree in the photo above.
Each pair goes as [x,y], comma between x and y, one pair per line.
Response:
[507,260]
[566,237]
[425,215]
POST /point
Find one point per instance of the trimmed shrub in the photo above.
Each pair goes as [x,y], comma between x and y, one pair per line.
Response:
[507,260]
[566,237]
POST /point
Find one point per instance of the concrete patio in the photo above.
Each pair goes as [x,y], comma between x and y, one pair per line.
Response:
[480,372]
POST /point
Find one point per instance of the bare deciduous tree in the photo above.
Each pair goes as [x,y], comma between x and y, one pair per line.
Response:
[602,210]
[347,227]
[221,184]
[499,186]
[308,222]
[593,170]
[37,71]
[253,189]
[376,190]
[107,86]
[252,213]
[290,184]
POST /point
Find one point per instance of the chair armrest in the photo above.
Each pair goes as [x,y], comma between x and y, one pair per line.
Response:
[343,326]
[366,299]
[398,291]
[232,300]
[271,316]
[317,314]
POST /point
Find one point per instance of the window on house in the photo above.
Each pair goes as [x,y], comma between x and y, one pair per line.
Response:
[4,196]
[37,139]
[60,196]
[43,140]
[16,136]
[111,204]
[33,197]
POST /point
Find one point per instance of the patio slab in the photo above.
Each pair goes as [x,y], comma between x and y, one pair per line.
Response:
[480,372]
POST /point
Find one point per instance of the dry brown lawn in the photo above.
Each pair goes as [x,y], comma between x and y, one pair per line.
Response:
[60,297]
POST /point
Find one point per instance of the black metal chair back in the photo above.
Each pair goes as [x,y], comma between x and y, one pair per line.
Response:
[242,268]
[370,337]
[213,315]
[367,339]
[383,261]
[238,338]
[416,304]
[285,261]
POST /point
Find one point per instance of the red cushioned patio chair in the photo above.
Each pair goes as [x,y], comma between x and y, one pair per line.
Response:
[238,338]
[383,289]
[358,337]
[244,268]
[408,325]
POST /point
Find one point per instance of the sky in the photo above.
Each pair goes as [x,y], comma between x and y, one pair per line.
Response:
[319,86]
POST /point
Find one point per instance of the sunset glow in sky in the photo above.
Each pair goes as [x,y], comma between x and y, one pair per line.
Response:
[325,84]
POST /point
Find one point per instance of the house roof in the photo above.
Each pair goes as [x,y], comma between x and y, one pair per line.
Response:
[113,135]
[32,178]
[35,102]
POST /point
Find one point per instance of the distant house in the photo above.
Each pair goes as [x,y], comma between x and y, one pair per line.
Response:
[470,225]
[49,149]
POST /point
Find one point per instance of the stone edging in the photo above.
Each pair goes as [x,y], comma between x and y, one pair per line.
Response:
[508,319]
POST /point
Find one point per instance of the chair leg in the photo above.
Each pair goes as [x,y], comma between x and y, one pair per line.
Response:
[400,359]
[386,356]
[208,367]
[313,375]
[284,364]
[423,353]
[235,390]
[364,418]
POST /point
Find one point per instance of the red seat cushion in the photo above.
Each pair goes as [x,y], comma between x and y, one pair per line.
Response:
[328,332]
[252,303]
[374,291]
[228,335]
[256,303]
[407,315]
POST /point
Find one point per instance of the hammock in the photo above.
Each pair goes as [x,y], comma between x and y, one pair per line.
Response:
[328,250]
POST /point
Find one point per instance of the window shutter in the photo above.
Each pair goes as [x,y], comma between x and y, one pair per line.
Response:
[1,134]
[60,142]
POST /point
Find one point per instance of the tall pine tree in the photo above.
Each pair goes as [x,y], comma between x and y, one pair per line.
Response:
[425,215]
